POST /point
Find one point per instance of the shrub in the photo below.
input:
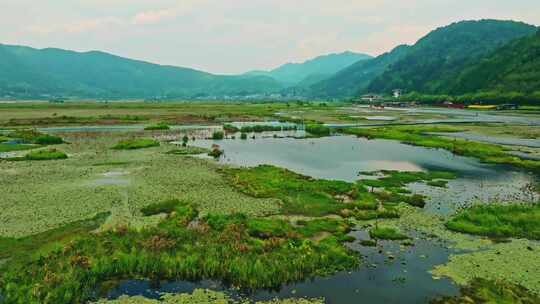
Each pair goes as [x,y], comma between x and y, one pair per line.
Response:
[218,135]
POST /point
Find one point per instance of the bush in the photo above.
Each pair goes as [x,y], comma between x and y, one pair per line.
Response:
[386,233]
[218,135]
[243,136]
[318,129]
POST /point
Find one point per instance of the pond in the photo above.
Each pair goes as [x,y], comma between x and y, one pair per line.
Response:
[343,157]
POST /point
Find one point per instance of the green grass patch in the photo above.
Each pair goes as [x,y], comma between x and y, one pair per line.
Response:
[318,130]
[40,155]
[386,233]
[32,136]
[162,207]
[245,252]
[159,126]
[188,150]
[136,143]
[22,247]
[438,183]
[301,195]
[499,221]
[15,147]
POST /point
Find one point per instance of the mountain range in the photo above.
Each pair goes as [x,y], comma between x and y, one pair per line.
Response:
[467,57]
[313,70]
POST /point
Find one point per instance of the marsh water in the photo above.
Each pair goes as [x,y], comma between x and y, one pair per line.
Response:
[390,272]
[344,157]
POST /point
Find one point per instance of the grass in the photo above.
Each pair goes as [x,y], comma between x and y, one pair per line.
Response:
[386,233]
[203,296]
[417,135]
[15,147]
[158,126]
[40,155]
[249,253]
[300,195]
[15,247]
[32,136]
[318,130]
[162,207]
[136,143]
[188,150]
[490,291]
[499,221]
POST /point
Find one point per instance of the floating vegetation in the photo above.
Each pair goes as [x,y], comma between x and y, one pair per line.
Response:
[245,252]
[300,194]
[188,150]
[159,126]
[136,143]
[386,233]
[499,221]
[203,296]
[490,291]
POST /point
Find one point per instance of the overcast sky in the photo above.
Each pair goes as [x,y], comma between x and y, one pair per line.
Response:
[232,36]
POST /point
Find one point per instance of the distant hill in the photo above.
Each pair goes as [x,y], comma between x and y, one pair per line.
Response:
[430,65]
[29,72]
[355,78]
[513,68]
[311,71]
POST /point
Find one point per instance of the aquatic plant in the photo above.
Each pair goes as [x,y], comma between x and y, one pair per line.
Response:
[188,150]
[499,221]
[299,194]
[32,136]
[318,130]
[386,233]
[158,126]
[136,143]
[490,291]
[218,135]
[245,252]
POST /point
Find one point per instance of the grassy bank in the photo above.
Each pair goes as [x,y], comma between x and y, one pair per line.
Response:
[136,143]
[417,135]
[235,249]
[499,221]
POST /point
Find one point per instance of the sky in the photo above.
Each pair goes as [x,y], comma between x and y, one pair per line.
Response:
[235,36]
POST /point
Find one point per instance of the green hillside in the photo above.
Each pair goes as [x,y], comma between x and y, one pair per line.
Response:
[432,63]
[313,70]
[512,68]
[356,77]
[28,72]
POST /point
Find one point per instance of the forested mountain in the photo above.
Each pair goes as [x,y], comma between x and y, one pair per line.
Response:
[434,60]
[313,70]
[514,67]
[28,72]
[350,81]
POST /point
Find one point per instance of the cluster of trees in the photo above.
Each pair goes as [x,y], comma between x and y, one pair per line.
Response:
[488,97]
